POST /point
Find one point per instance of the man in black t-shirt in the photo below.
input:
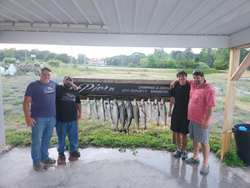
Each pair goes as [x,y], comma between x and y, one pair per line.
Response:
[67,105]
[179,121]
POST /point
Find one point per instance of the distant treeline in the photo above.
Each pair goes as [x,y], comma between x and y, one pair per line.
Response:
[45,55]
[206,59]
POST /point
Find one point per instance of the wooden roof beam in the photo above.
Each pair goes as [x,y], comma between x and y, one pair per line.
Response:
[241,69]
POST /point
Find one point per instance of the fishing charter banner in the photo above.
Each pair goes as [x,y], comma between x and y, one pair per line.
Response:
[123,89]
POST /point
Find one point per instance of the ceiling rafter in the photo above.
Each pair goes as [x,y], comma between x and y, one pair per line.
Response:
[100,13]
[197,5]
[110,11]
[118,15]
[152,17]
[136,5]
[192,15]
[16,13]
[221,16]
[206,11]
[9,17]
[172,13]
[229,18]
[81,11]
[64,11]
[26,9]
[41,7]
[210,18]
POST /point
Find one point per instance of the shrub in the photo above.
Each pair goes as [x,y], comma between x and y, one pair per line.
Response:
[202,66]
[22,59]
[9,60]
[172,64]
[131,65]
[54,63]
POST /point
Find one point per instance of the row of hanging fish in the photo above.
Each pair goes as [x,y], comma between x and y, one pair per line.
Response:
[116,110]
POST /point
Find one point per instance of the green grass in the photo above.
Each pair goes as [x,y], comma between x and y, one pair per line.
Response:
[243,98]
[17,137]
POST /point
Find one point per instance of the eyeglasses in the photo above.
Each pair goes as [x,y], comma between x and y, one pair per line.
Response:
[198,73]
[67,80]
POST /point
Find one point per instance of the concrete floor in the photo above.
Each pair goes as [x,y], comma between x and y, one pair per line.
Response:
[105,167]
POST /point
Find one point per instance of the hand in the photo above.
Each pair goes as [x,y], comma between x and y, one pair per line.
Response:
[75,87]
[169,114]
[30,121]
[79,116]
[173,84]
[210,85]
[205,125]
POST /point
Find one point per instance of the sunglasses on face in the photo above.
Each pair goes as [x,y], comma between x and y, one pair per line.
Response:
[198,73]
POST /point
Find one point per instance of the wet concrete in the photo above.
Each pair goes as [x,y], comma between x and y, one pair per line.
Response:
[104,167]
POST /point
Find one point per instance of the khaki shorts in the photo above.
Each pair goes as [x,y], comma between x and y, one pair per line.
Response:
[196,132]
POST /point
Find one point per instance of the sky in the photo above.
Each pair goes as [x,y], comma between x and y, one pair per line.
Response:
[90,51]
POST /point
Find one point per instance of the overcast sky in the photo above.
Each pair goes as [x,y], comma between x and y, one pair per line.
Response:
[90,51]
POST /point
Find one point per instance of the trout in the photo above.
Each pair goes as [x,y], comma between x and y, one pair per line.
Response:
[163,112]
[156,112]
[108,110]
[136,113]
[115,114]
[142,111]
[95,110]
[88,105]
[122,113]
[129,117]
[149,110]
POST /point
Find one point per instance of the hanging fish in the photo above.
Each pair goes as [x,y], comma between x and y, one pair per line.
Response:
[149,110]
[115,114]
[122,113]
[108,111]
[142,111]
[156,112]
[102,111]
[88,105]
[95,110]
[163,113]
[129,111]
[136,113]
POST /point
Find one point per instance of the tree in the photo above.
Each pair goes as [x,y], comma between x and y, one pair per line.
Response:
[160,53]
[152,61]
[81,58]
[222,56]
[63,57]
[172,64]
[9,52]
[143,63]
[188,54]
[50,56]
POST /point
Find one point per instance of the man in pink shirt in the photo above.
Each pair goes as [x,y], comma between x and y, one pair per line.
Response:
[200,111]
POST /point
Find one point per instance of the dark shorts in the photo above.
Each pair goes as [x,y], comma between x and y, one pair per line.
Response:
[179,124]
[197,133]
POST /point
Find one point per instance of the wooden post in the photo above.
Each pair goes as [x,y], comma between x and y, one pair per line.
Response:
[230,102]
[173,137]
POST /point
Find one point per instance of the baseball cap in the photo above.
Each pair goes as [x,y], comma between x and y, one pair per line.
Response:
[198,73]
[68,78]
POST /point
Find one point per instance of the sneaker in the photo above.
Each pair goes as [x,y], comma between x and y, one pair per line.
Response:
[177,154]
[38,167]
[204,170]
[184,155]
[49,161]
[75,153]
[192,160]
[62,156]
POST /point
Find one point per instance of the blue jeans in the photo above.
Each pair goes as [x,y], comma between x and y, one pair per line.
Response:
[63,129]
[41,134]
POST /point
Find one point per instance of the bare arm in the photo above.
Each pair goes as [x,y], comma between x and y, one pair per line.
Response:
[30,121]
[170,106]
[209,115]
[79,109]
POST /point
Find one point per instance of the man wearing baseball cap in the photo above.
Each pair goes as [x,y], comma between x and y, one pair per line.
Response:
[200,111]
[68,110]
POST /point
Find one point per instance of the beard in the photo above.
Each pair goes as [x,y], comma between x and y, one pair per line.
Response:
[198,82]
[67,86]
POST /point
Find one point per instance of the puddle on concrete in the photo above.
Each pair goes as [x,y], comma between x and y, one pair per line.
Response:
[152,164]
[162,161]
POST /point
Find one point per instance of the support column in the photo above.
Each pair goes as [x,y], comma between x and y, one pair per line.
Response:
[2,130]
[230,102]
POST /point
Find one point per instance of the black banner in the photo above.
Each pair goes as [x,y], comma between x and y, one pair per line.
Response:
[123,89]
